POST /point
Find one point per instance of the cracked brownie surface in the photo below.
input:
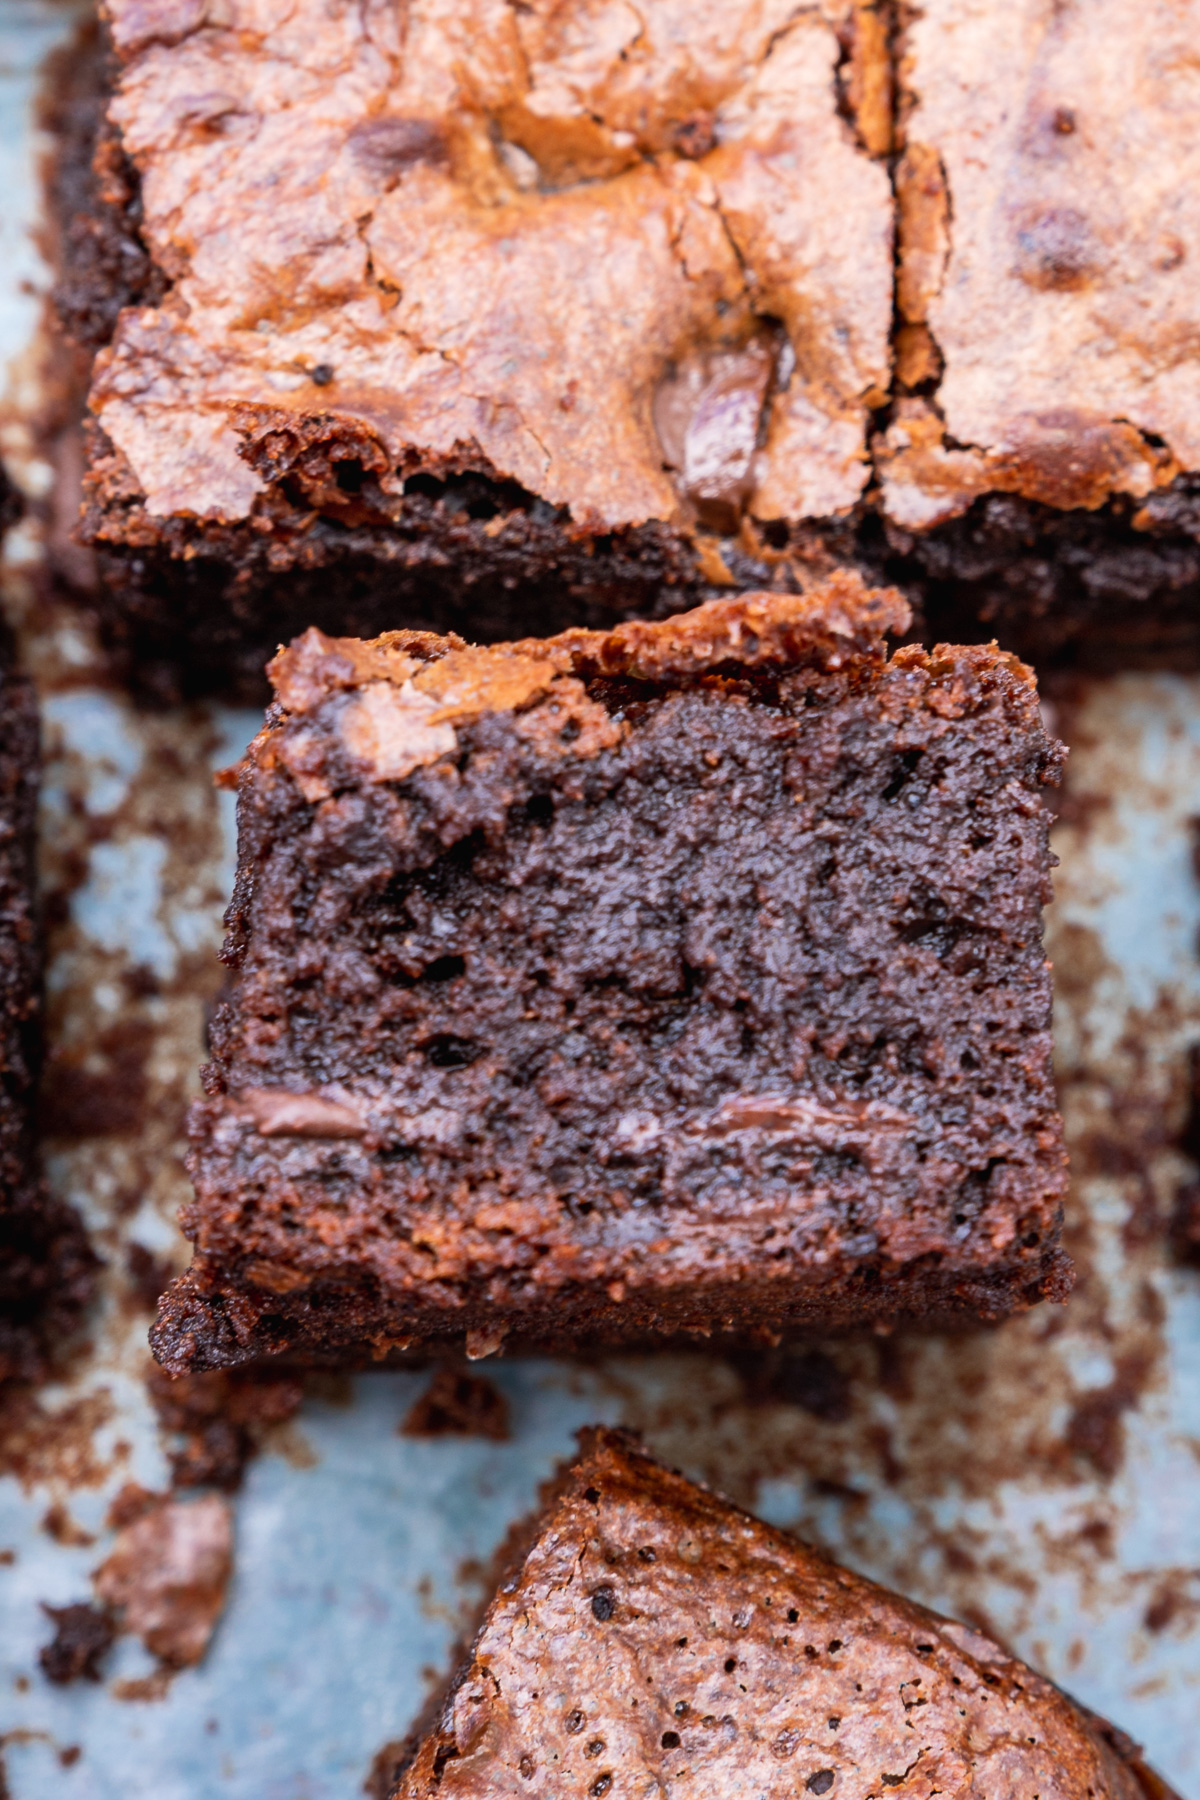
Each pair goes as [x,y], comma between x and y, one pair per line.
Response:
[406,323]
[682,979]
[585,249]
[649,1637]
[1049,238]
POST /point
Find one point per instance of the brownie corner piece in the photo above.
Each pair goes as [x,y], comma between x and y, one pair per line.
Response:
[478,342]
[46,1264]
[1040,468]
[682,980]
[775,1672]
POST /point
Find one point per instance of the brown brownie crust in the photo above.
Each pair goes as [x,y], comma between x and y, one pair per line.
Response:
[559,246]
[1096,569]
[1049,241]
[653,1635]
[685,978]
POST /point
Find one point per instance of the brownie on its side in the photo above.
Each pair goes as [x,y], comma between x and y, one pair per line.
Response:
[46,1266]
[648,1634]
[488,315]
[684,979]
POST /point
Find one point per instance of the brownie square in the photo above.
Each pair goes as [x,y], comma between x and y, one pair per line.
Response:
[46,1266]
[496,316]
[567,328]
[646,1634]
[1041,462]
[1049,228]
[682,980]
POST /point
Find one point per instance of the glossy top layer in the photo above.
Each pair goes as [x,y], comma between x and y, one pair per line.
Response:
[584,247]
[656,1640]
[1049,226]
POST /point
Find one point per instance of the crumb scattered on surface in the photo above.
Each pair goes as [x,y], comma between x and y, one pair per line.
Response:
[44,1447]
[148,1274]
[83,1636]
[1096,1429]
[154,1686]
[58,1524]
[221,1420]
[458,1404]
[809,1379]
[168,1572]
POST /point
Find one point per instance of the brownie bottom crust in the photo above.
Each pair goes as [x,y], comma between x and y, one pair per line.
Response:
[205,1323]
[1073,590]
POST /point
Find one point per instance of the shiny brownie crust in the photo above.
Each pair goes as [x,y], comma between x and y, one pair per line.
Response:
[1058,571]
[645,1634]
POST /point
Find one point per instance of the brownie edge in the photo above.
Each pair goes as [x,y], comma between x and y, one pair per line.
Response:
[646,1632]
[47,1267]
[676,981]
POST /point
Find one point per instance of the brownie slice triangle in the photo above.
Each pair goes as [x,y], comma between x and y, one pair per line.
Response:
[650,1638]
[680,980]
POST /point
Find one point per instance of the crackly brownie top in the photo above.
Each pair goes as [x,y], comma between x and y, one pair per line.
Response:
[656,1640]
[411,688]
[635,260]
[1049,220]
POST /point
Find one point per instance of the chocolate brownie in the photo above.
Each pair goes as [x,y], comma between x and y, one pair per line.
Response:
[352,431]
[682,979]
[45,1264]
[648,1637]
[491,315]
[1043,454]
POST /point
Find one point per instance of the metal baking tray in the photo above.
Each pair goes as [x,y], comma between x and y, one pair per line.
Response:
[1041,1480]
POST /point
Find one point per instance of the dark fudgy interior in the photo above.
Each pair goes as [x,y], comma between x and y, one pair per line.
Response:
[736,1019]
[648,1636]
[46,1267]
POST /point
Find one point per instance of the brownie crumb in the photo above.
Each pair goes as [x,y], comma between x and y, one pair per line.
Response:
[1096,1427]
[220,1419]
[809,1379]
[83,1636]
[1185,1223]
[458,1404]
[168,1573]
[148,1274]
[58,1524]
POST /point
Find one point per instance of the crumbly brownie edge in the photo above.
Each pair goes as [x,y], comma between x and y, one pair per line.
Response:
[93,196]
[204,1324]
[19,949]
